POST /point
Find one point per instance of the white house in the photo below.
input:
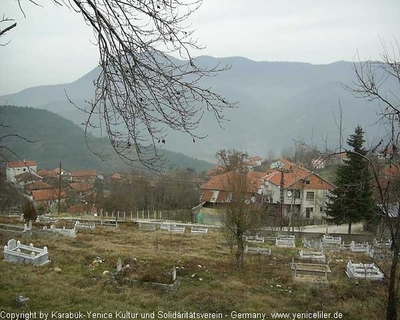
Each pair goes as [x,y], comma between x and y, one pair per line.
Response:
[304,192]
[14,168]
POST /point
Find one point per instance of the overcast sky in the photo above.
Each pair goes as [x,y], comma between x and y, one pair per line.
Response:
[53,45]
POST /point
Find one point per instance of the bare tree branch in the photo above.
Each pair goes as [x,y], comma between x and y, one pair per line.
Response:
[142,92]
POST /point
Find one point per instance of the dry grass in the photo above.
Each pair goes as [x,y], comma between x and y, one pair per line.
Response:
[208,280]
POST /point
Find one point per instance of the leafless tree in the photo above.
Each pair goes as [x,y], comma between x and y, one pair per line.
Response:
[231,159]
[142,91]
[242,215]
[8,25]
[371,80]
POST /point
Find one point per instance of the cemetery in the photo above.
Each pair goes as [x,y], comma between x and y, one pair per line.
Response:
[147,226]
[363,271]
[317,256]
[84,226]
[287,241]
[205,276]
[331,243]
[153,277]
[254,239]
[62,231]
[198,230]
[258,250]
[16,252]
[359,247]
[310,272]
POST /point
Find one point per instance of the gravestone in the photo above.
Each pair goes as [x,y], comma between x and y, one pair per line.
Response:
[363,271]
[14,251]
[198,230]
[359,247]
[310,272]
[257,250]
[312,255]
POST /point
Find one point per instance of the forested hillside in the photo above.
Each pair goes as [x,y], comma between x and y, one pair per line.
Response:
[54,139]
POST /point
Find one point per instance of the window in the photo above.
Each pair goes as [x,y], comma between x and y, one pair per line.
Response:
[310,195]
[321,209]
[296,194]
[309,210]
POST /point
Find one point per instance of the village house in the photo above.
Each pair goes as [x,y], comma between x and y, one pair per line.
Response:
[304,193]
[47,199]
[218,190]
[37,185]
[79,189]
[25,178]
[85,176]
[14,168]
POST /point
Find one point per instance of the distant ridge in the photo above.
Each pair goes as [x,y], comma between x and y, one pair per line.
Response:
[278,102]
[60,140]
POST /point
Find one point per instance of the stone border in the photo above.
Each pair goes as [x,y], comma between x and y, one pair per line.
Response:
[13,253]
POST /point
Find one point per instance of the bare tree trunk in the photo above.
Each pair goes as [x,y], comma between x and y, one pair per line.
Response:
[391,311]
[349,229]
[240,254]
[240,249]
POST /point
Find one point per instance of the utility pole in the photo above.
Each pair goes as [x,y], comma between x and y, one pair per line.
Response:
[59,191]
[282,198]
[282,193]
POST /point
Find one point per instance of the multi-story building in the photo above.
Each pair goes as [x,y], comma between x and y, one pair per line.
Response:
[304,193]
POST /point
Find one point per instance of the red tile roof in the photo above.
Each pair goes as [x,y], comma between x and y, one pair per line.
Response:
[391,171]
[215,171]
[256,174]
[116,176]
[47,173]
[250,163]
[27,176]
[44,195]
[37,185]
[83,173]
[313,182]
[206,195]
[80,187]
[223,182]
[296,177]
[295,174]
[79,208]
[21,164]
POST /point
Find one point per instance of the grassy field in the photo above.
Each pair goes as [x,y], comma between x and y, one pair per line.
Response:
[209,282]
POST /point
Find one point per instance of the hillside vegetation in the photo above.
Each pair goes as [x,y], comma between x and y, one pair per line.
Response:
[57,139]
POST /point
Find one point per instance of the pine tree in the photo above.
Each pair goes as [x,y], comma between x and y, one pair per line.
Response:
[352,200]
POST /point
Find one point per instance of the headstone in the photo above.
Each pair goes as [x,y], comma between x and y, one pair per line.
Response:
[359,247]
[363,271]
[173,272]
[119,265]
[22,301]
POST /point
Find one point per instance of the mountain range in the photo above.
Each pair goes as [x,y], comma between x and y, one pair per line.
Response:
[278,102]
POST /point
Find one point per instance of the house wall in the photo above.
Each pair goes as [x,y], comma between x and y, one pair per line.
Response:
[12,172]
[302,203]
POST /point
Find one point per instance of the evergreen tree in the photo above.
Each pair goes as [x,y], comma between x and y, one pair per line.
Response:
[352,200]
[29,211]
